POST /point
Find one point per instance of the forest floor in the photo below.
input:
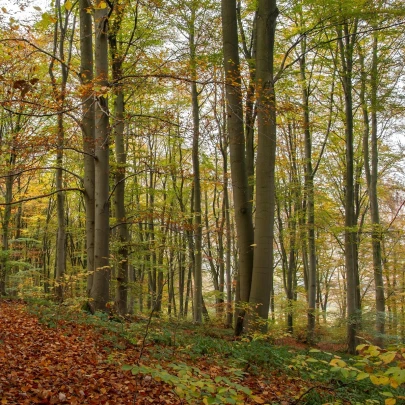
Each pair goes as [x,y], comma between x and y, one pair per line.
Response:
[76,363]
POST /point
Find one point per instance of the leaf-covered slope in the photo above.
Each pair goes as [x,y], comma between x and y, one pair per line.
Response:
[40,365]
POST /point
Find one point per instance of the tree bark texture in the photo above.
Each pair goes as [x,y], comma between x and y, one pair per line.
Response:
[262,278]
[88,131]
[239,176]
[101,279]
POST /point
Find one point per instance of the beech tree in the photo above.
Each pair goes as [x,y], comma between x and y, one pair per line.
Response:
[88,131]
[243,213]
[101,278]
[262,277]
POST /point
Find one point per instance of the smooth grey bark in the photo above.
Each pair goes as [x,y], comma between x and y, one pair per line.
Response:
[262,277]
[88,131]
[214,268]
[198,302]
[100,291]
[224,147]
[179,192]
[228,270]
[161,281]
[59,91]
[287,259]
[310,201]
[249,53]
[239,177]
[371,171]
[121,296]
[346,40]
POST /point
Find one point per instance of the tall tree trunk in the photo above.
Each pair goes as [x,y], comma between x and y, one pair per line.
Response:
[243,210]
[310,201]
[226,214]
[262,278]
[346,40]
[59,91]
[198,304]
[88,131]
[371,170]
[101,280]
[121,295]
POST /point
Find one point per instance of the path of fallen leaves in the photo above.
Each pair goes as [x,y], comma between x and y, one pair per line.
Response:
[72,364]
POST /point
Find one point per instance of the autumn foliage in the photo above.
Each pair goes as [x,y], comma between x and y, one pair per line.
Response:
[73,363]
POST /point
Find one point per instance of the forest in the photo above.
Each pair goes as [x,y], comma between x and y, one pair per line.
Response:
[232,166]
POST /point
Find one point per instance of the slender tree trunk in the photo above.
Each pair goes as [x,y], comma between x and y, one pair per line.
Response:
[243,210]
[88,132]
[310,199]
[262,278]
[7,211]
[101,280]
[121,296]
[198,304]
[346,43]
[249,52]
[227,216]
[371,170]
[59,91]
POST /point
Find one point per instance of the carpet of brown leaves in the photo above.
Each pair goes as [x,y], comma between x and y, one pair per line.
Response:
[73,364]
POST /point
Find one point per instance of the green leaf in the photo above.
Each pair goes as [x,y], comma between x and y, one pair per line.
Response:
[127,367]
[362,376]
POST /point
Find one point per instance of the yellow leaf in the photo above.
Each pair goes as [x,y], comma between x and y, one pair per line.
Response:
[390,401]
[4,10]
[337,363]
[394,383]
[37,8]
[68,5]
[258,400]
[387,357]
[379,379]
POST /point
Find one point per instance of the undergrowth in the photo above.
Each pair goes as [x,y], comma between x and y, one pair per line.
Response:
[178,348]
